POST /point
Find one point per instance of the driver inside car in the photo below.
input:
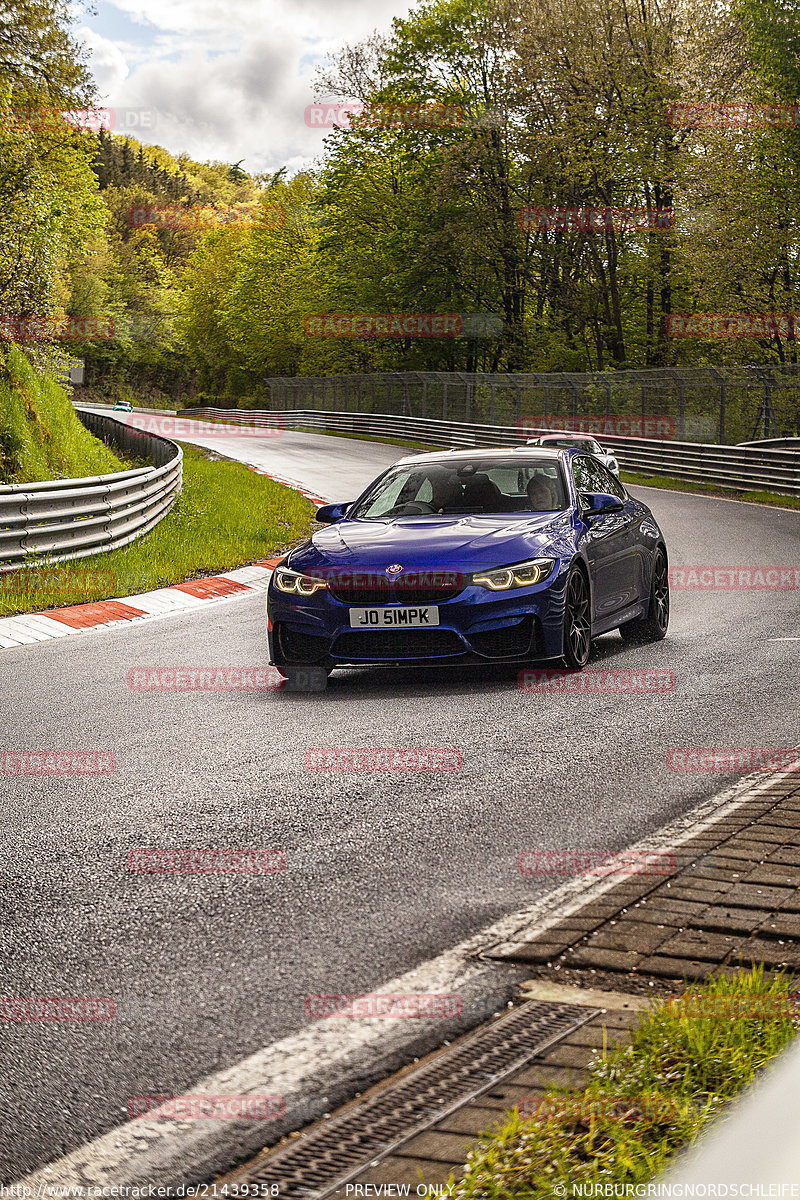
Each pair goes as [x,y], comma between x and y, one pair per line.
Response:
[445,492]
[540,494]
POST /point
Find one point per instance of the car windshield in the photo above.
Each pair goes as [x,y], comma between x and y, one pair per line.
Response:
[587,444]
[475,487]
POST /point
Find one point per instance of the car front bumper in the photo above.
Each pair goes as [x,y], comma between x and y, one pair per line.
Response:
[476,626]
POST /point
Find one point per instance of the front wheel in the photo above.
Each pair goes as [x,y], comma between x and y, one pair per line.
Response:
[653,627]
[577,622]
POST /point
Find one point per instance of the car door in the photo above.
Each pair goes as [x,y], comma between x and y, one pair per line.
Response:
[611,542]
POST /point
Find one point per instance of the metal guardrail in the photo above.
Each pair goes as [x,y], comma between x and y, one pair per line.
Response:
[64,519]
[739,468]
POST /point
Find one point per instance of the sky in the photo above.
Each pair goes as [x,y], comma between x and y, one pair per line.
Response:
[223,80]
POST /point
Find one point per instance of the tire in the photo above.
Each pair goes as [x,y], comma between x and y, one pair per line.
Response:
[653,627]
[577,621]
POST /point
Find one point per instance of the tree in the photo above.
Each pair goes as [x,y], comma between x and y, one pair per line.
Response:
[39,57]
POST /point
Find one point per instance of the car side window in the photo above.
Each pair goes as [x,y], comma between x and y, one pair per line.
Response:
[582,473]
[611,483]
[591,475]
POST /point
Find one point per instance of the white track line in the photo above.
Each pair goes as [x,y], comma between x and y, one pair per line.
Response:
[327,1062]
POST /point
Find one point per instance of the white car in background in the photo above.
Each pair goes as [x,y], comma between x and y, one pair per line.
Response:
[577,441]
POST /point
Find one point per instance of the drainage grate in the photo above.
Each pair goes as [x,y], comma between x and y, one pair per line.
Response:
[332,1153]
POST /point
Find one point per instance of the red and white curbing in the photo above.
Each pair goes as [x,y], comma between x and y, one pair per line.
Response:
[59,622]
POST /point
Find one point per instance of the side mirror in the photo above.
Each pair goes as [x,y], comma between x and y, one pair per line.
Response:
[599,504]
[331,513]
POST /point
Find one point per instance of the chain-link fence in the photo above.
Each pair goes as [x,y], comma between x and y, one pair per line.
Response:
[694,404]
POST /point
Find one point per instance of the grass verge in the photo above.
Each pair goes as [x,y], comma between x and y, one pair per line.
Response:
[41,436]
[226,516]
[688,1059]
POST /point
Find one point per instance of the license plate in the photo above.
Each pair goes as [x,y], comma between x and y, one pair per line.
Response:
[391,618]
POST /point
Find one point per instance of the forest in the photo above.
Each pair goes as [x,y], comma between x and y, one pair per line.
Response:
[581,186]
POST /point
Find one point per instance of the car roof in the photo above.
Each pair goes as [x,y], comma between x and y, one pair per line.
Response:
[575,437]
[493,452]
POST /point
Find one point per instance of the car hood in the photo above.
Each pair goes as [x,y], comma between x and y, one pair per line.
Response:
[432,543]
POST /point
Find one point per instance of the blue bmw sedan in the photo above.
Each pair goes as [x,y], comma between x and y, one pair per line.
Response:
[472,556]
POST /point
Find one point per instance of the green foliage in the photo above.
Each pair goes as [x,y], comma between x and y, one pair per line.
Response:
[41,436]
[561,107]
[39,57]
[687,1060]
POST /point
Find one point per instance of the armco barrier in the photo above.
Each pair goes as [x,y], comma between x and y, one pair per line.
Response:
[72,518]
[739,468]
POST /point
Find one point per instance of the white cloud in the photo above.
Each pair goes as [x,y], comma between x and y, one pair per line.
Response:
[231,82]
[109,65]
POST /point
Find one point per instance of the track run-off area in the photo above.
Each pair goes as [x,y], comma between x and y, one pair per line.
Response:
[384,871]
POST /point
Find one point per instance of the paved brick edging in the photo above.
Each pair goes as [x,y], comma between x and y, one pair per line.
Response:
[27,628]
[732,900]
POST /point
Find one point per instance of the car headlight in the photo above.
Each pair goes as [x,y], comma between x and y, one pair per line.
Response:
[295,584]
[523,574]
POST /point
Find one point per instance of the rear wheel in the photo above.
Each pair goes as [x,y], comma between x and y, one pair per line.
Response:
[577,622]
[653,627]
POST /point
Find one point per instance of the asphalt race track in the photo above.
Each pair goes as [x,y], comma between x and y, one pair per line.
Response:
[384,871]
